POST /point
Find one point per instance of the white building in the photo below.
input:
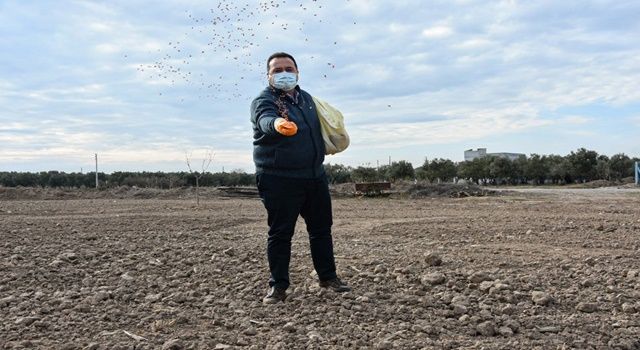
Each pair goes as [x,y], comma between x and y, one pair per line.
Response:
[470,154]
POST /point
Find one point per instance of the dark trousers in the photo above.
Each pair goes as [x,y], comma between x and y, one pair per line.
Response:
[285,199]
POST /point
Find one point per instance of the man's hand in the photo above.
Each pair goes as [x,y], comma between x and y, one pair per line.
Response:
[285,127]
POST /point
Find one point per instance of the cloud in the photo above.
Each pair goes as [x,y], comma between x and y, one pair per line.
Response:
[168,153]
[580,132]
[14,126]
[474,44]
[108,48]
[577,120]
[405,74]
[399,28]
[21,155]
[437,32]
[386,136]
[101,27]
[363,7]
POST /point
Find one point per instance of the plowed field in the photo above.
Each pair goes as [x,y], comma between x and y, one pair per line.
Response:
[546,270]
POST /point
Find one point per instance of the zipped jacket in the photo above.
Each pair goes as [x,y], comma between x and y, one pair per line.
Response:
[300,155]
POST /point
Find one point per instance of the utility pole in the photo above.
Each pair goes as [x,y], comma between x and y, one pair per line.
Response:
[96,170]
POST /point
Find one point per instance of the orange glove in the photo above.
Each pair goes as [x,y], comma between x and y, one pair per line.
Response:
[285,127]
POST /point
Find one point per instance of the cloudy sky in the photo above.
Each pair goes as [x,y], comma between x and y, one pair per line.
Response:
[142,83]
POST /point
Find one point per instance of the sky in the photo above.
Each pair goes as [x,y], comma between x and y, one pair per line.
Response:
[144,84]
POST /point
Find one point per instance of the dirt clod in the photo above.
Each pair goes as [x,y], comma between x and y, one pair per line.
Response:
[487,329]
[541,298]
[173,344]
[433,278]
[478,277]
[433,259]
[289,327]
[587,307]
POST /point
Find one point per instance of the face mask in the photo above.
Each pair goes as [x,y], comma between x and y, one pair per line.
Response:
[284,81]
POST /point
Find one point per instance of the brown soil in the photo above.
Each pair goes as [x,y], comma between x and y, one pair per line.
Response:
[398,190]
[545,270]
[123,192]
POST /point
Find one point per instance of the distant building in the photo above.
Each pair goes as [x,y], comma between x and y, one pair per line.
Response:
[470,154]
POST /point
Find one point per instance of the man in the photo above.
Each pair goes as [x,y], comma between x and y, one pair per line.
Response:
[288,153]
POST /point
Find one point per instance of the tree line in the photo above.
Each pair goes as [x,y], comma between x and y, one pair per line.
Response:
[164,180]
[581,165]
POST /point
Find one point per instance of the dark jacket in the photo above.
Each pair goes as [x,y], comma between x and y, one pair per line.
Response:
[300,155]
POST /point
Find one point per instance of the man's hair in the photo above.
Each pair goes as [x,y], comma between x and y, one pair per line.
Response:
[281,55]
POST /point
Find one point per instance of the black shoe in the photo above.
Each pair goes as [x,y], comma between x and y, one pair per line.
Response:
[275,295]
[336,285]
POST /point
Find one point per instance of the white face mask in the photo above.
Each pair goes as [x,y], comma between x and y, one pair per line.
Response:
[284,80]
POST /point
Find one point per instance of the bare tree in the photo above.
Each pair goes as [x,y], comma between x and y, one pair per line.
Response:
[206,162]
